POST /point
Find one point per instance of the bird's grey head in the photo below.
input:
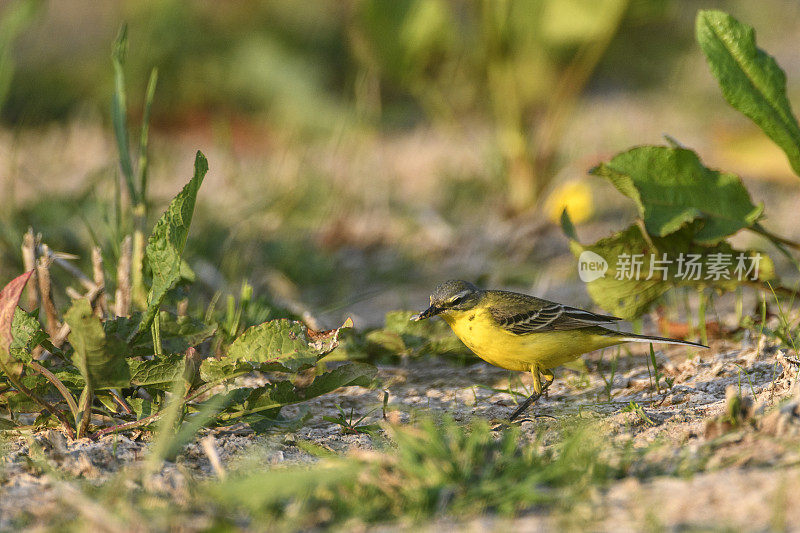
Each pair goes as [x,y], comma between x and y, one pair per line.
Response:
[453,294]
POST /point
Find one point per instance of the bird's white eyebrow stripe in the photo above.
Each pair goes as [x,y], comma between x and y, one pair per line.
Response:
[459,295]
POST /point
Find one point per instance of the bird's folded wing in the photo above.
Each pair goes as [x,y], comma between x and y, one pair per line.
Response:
[522,314]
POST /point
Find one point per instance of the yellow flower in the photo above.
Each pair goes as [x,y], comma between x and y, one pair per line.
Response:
[575,196]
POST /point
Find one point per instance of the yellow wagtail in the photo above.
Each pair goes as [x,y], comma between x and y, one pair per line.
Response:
[520,332]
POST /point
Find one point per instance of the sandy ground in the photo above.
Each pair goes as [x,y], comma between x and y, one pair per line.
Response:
[746,483]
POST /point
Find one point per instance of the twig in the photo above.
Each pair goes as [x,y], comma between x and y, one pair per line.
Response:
[29,260]
[128,425]
[43,269]
[122,299]
[58,385]
[155,416]
[93,295]
[101,308]
[121,401]
[61,336]
[66,265]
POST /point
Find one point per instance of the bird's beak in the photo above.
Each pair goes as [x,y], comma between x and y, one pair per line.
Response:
[429,312]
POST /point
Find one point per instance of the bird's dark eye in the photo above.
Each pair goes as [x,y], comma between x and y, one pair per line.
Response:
[456,301]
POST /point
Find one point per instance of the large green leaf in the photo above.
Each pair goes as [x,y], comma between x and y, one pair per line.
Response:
[624,293]
[9,297]
[166,243]
[282,393]
[283,345]
[672,188]
[100,359]
[751,79]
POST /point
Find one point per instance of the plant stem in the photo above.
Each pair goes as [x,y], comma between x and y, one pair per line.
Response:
[73,407]
[155,416]
[137,259]
[30,394]
[85,410]
[156,331]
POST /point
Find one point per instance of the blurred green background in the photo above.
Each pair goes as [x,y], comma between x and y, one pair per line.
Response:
[363,150]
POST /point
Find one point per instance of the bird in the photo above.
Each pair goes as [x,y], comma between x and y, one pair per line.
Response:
[520,332]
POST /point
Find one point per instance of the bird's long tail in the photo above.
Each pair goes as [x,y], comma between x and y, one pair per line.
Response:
[633,337]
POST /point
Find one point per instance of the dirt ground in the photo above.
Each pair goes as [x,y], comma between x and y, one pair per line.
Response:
[745,485]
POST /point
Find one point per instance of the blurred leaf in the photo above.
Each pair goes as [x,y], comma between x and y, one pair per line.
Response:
[630,298]
[401,336]
[16,17]
[9,297]
[101,360]
[119,112]
[166,243]
[579,21]
[751,79]
[671,188]
[261,489]
[207,411]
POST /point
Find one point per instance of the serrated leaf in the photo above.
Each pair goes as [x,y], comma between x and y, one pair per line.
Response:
[630,298]
[27,334]
[101,360]
[160,372]
[672,188]
[751,79]
[166,243]
[282,345]
[9,298]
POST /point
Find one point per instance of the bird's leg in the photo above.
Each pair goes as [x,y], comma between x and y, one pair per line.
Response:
[538,390]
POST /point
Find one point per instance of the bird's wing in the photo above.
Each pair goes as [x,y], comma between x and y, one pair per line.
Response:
[521,314]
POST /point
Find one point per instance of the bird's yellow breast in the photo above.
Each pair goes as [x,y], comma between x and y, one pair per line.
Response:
[480,333]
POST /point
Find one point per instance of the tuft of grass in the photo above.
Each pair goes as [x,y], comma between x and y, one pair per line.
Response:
[432,469]
[634,407]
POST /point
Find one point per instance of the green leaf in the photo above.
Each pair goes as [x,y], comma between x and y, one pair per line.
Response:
[214,370]
[101,360]
[751,79]
[348,375]
[27,333]
[630,298]
[162,371]
[177,333]
[672,188]
[166,244]
[9,297]
[283,345]
[119,111]
[282,393]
